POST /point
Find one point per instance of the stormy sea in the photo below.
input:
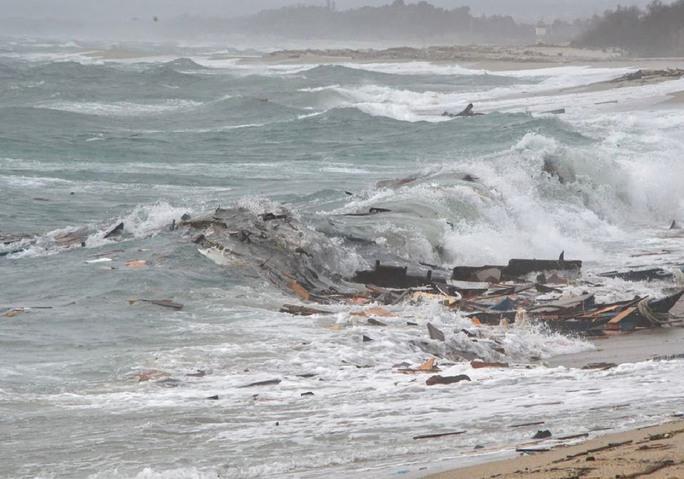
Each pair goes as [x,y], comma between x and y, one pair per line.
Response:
[133,351]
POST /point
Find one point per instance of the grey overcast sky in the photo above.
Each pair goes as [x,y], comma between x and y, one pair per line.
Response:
[121,9]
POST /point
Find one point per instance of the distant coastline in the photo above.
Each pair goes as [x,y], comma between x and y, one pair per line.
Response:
[546,54]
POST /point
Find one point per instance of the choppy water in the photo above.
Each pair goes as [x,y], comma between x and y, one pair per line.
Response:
[85,143]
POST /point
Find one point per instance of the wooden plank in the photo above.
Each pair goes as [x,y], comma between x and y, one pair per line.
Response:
[615,322]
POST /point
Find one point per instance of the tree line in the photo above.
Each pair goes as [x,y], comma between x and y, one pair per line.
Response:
[395,21]
[658,30]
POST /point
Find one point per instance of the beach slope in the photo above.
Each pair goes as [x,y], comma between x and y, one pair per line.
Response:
[653,452]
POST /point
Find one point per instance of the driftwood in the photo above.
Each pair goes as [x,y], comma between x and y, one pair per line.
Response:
[443,434]
[269,382]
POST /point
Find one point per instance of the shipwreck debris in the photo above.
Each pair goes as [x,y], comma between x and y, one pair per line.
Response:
[165,303]
[371,212]
[542,434]
[466,112]
[268,382]
[375,322]
[438,435]
[279,248]
[516,269]
[652,274]
[136,264]
[115,231]
[435,333]
[301,310]
[484,364]
[602,366]
[395,277]
[437,379]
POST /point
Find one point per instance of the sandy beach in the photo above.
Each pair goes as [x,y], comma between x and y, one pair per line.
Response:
[655,452]
[495,58]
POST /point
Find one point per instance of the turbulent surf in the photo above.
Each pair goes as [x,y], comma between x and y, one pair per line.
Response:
[160,348]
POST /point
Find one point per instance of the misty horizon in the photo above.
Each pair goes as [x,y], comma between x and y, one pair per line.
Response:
[267,24]
[114,11]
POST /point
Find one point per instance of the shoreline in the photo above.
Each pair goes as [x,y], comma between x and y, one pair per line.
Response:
[634,453]
[495,58]
[612,350]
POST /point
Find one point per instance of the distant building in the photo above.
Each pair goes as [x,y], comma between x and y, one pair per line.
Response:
[541,31]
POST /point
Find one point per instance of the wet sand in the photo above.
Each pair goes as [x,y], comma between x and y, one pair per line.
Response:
[654,452]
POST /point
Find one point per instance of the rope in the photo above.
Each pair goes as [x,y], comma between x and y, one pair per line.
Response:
[656,319]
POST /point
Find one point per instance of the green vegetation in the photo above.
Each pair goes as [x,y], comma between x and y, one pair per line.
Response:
[656,31]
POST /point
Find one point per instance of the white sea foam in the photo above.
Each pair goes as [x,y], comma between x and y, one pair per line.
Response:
[122,109]
[548,94]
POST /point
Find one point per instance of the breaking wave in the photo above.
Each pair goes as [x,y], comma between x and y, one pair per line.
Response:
[536,199]
[144,221]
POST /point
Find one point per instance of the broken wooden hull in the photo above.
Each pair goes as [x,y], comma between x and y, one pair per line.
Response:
[516,269]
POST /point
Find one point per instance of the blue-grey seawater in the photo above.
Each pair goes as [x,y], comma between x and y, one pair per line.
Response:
[87,141]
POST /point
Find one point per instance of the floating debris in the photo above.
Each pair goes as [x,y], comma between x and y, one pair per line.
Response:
[437,379]
[151,375]
[13,312]
[268,382]
[542,434]
[435,333]
[115,231]
[301,310]
[99,260]
[484,364]
[136,264]
[375,322]
[429,366]
[165,303]
[438,435]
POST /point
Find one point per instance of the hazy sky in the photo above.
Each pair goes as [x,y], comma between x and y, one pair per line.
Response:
[117,10]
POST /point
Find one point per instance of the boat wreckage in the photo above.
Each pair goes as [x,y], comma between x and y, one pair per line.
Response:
[279,248]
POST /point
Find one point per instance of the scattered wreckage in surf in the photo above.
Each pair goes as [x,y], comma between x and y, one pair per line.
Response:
[279,248]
